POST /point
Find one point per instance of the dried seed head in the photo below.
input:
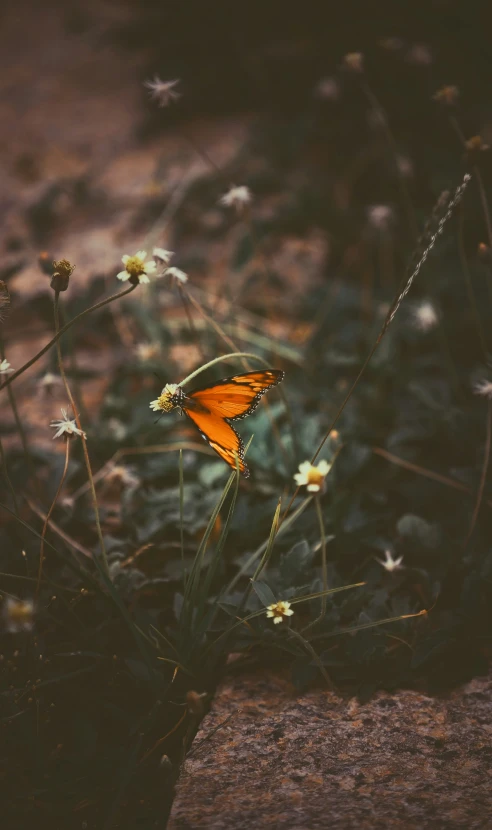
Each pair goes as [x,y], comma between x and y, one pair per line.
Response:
[63,270]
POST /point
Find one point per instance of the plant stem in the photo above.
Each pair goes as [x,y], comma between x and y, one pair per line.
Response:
[7,477]
[218,360]
[324,569]
[469,285]
[62,331]
[483,477]
[18,422]
[20,428]
[50,511]
[405,196]
[82,436]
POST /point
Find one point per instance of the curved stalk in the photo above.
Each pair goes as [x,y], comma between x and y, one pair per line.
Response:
[62,331]
[82,436]
[50,511]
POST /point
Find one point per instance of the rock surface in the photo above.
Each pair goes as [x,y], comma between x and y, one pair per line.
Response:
[317,760]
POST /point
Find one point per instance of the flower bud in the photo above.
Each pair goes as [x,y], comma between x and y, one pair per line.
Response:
[61,275]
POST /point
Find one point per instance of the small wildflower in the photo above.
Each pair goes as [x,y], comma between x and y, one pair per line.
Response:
[117,429]
[147,351]
[161,255]
[167,400]
[60,277]
[425,316]
[5,367]
[122,475]
[236,197]
[45,262]
[177,275]
[18,615]
[279,610]
[404,166]
[47,383]
[66,426]
[312,477]
[484,388]
[327,89]
[380,217]
[419,55]
[475,146]
[354,61]
[484,251]
[392,44]
[4,301]
[136,269]
[163,92]
[447,96]
[390,564]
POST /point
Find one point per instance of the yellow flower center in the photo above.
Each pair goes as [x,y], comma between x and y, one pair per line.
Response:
[166,400]
[315,477]
[20,612]
[135,266]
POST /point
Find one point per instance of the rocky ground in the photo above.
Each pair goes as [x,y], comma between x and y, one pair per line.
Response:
[267,758]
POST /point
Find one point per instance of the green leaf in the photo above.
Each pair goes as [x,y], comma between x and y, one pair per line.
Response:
[243,253]
[264,593]
[430,648]
[418,532]
[294,564]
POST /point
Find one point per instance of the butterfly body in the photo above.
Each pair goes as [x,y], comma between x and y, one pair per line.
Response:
[213,408]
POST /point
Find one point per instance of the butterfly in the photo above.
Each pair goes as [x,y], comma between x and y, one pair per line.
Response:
[212,408]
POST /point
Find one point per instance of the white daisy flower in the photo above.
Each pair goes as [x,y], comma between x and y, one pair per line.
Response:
[137,270]
[425,316]
[47,383]
[237,197]
[163,92]
[312,476]
[5,367]
[147,351]
[354,62]
[278,611]
[18,615]
[162,255]
[167,400]
[176,274]
[483,387]
[389,563]
[381,217]
[66,426]
[328,89]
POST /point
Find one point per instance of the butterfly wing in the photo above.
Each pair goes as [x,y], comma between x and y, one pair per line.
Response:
[221,436]
[238,396]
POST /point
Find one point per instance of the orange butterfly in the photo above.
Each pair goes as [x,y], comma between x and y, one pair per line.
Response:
[212,408]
